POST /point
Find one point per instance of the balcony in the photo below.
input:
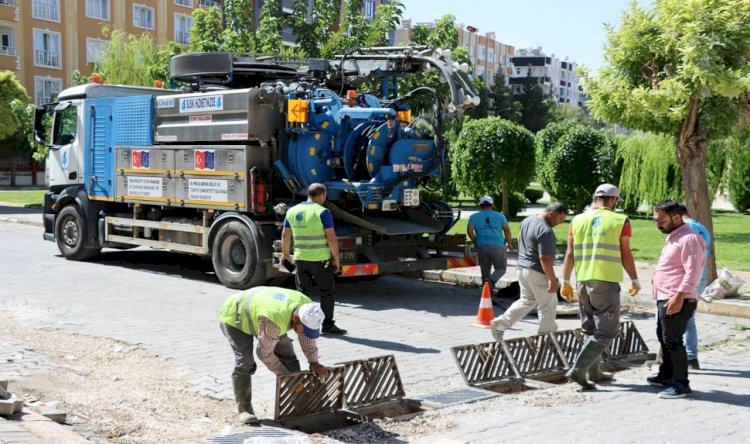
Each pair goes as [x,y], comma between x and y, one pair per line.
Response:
[8,59]
[8,10]
[46,12]
[47,59]
[209,4]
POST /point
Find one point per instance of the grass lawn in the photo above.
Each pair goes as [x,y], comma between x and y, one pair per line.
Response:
[29,198]
[731,232]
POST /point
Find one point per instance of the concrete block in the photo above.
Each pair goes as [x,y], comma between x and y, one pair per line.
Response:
[17,404]
[432,275]
[52,413]
[4,384]
[4,394]
[6,407]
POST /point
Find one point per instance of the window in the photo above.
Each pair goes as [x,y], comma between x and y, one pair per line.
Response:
[7,45]
[517,89]
[209,3]
[491,56]
[66,123]
[518,71]
[143,17]
[46,10]
[370,9]
[480,53]
[182,24]
[98,9]
[185,3]
[46,49]
[7,2]
[95,49]
[47,88]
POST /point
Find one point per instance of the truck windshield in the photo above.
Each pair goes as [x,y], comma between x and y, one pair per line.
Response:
[65,126]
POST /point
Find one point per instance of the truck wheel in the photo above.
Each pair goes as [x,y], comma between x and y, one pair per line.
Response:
[70,233]
[235,257]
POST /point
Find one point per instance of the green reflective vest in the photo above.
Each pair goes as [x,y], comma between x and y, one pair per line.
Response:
[242,309]
[596,245]
[310,243]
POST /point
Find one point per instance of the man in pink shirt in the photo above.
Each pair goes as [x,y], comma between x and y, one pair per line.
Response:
[674,283]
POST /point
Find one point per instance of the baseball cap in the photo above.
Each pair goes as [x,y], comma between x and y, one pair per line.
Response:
[311,316]
[606,190]
[486,200]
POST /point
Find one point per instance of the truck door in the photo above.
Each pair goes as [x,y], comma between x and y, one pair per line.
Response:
[100,160]
[66,158]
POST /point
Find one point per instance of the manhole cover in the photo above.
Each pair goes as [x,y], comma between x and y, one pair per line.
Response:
[260,435]
[458,396]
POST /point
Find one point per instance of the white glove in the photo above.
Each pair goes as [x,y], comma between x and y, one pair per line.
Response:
[635,287]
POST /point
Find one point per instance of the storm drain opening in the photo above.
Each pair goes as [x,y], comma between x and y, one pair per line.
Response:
[355,392]
[540,361]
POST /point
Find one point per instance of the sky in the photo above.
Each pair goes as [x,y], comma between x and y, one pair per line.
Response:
[572,28]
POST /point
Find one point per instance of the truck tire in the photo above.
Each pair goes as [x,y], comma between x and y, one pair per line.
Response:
[70,233]
[235,257]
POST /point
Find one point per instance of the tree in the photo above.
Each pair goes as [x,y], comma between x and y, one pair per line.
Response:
[535,104]
[10,90]
[239,26]
[313,30]
[582,158]
[678,69]
[739,176]
[503,104]
[269,28]
[480,111]
[493,155]
[206,32]
[135,59]
[546,141]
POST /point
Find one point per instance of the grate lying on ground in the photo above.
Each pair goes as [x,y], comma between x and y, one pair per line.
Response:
[457,396]
[264,433]
[370,381]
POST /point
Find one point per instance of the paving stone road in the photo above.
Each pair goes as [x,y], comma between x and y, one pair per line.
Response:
[171,311]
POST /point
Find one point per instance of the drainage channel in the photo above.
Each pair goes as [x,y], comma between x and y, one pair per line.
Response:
[540,361]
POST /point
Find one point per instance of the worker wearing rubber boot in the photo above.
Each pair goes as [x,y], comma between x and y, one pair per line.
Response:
[268,313]
[599,248]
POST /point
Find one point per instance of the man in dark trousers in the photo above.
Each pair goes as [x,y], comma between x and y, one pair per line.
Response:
[316,250]
[675,279]
[268,313]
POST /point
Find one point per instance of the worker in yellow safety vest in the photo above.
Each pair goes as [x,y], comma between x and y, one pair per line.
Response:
[268,313]
[316,251]
[599,248]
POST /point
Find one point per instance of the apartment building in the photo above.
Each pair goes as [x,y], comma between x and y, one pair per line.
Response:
[44,41]
[558,76]
[488,55]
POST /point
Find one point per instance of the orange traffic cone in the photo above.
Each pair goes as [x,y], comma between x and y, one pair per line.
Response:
[485,313]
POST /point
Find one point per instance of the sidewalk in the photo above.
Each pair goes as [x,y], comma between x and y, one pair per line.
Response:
[734,307]
[18,214]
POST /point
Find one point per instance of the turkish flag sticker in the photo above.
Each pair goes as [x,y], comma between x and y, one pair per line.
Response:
[200,160]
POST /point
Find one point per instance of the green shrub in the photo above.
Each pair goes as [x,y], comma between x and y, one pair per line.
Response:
[739,179]
[516,203]
[533,195]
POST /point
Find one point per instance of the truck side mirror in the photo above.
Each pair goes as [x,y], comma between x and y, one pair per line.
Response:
[39,131]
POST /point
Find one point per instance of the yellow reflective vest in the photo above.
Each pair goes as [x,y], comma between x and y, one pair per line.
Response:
[596,245]
[310,242]
[241,310]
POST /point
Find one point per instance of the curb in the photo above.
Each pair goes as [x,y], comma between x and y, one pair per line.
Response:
[15,220]
[737,308]
[34,425]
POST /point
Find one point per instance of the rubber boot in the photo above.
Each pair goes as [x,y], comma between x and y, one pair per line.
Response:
[243,394]
[585,359]
[595,371]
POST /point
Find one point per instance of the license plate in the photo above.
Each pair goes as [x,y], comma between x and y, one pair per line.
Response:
[347,256]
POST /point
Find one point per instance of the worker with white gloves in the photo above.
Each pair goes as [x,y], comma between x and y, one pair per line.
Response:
[599,248]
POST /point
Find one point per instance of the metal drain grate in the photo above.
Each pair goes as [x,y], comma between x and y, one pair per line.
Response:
[486,362]
[538,355]
[458,396]
[262,434]
[628,342]
[369,381]
[302,394]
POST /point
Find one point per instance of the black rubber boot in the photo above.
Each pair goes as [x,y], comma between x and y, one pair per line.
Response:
[595,372]
[243,394]
[585,359]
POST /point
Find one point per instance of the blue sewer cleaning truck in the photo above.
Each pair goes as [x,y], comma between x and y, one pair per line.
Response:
[210,167]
